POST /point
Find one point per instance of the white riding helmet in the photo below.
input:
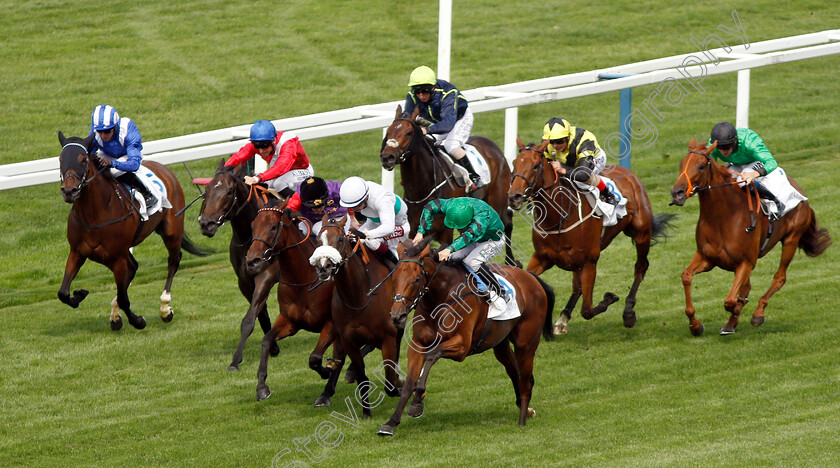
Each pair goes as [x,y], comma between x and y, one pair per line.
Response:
[354,190]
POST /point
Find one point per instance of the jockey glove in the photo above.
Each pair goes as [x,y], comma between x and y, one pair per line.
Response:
[358,233]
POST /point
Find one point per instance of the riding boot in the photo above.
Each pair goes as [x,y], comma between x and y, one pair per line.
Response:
[286,192]
[132,180]
[466,164]
[385,254]
[768,195]
[491,281]
[609,197]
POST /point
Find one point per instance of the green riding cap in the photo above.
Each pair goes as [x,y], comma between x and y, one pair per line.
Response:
[459,213]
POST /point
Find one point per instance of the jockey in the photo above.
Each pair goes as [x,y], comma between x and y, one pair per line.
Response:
[582,153]
[387,216]
[118,144]
[481,239]
[315,198]
[443,105]
[745,152]
[288,164]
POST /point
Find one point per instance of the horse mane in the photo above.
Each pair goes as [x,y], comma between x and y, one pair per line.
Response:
[413,250]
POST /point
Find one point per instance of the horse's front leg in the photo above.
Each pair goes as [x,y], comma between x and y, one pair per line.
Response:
[173,245]
[339,356]
[316,359]
[124,269]
[415,366]
[788,250]
[417,406]
[391,363]
[262,288]
[734,302]
[71,269]
[561,327]
[587,281]
[698,264]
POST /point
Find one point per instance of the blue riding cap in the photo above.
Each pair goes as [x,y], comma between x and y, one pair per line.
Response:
[263,130]
[104,117]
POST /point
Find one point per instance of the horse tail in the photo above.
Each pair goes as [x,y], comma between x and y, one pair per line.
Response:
[661,225]
[192,248]
[816,239]
[548,326]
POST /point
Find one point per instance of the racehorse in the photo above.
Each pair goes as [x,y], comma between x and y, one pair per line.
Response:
[277,240]
[567,233]
[361,298]
[227,198]
[450,322]
[426,176]
[724,240]
[104,223]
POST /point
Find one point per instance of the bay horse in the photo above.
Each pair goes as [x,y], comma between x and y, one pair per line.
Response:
[425,176]
[104,223]
[304,305]
[361,298]
[228,198]
[724,241]
[450,321]
[568,234]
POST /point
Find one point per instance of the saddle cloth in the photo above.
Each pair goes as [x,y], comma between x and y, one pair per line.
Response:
[608,213]
[512,310]
[478,163]
[155,185]
[778,184]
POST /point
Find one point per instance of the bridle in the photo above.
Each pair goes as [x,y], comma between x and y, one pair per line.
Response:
[421,291]
[68,174]
[222,219]
[271,250]
[530,189]
[707,174]
[406,151]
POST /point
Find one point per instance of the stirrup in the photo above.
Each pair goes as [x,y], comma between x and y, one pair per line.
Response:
[609,197]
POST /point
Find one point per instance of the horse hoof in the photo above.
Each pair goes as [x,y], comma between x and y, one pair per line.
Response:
[610,298]
[757,321]
[630,319]
[168,317]
[415,411]
[116,325]
[139,323]
[698,331]
[385,430]
[263,393]
[233,367]
[531,413]
[366,415]
[727,330]
[78,296]
[274,350]
[561,329]
[322,401]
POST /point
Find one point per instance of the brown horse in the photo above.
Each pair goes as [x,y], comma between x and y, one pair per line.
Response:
[723,237]
[227,198]
[450,321]
[426,176]
[277,240]
[361,298]
[568,234]
[104,223]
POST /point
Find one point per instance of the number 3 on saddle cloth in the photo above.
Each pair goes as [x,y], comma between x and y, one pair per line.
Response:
[778,184]
[610,214]
[154,184]
[476,283]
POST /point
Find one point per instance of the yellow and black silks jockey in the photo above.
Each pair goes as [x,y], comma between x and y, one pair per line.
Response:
[582,154]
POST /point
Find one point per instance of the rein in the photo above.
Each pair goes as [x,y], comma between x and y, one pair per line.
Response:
[346,258]
[406,151]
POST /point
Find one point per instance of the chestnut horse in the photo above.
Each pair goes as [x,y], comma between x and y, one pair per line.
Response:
[227,198]
[566,232]
[425,176]
[361,298]
[723,237]
[278,241]
[104,223]
[450,321]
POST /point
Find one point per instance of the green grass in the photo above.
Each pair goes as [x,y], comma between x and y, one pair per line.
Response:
[75,393]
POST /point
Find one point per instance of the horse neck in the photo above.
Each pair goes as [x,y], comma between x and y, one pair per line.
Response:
[447,286]
[355,276]
[98,199]
[243,215]
[417,169]
[295,251]
[730,198]
[557,198]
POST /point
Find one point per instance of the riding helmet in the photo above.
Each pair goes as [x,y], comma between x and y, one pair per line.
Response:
[354,191]
[313,191]
[422,75]
[459,213]
[726,135]
[104,117]
[263,130]
[556,128]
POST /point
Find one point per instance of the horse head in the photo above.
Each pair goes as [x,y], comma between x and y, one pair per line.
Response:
[269,235]
[695,171]
[399,139]
[411,278]
[335,247]
[221,197]
[75,165]
[529,173]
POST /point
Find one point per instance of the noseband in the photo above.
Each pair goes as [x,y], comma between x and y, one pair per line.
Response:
[405,151]
[271,247]
[530,189]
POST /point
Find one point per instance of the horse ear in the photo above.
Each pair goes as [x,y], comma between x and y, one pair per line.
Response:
[712,148]
[221,165]
[519,142]
[543,146]
[429,265]
[401,247]
[61,138]
[415,113]
[399,111]
[692,143]
[88,141]
[239,171]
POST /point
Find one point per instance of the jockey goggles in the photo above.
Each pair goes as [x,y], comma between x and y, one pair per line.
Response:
[422,89]
[261,144]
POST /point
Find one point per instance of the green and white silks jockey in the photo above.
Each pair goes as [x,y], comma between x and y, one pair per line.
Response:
[481,239]
[746,154]
[386,223]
